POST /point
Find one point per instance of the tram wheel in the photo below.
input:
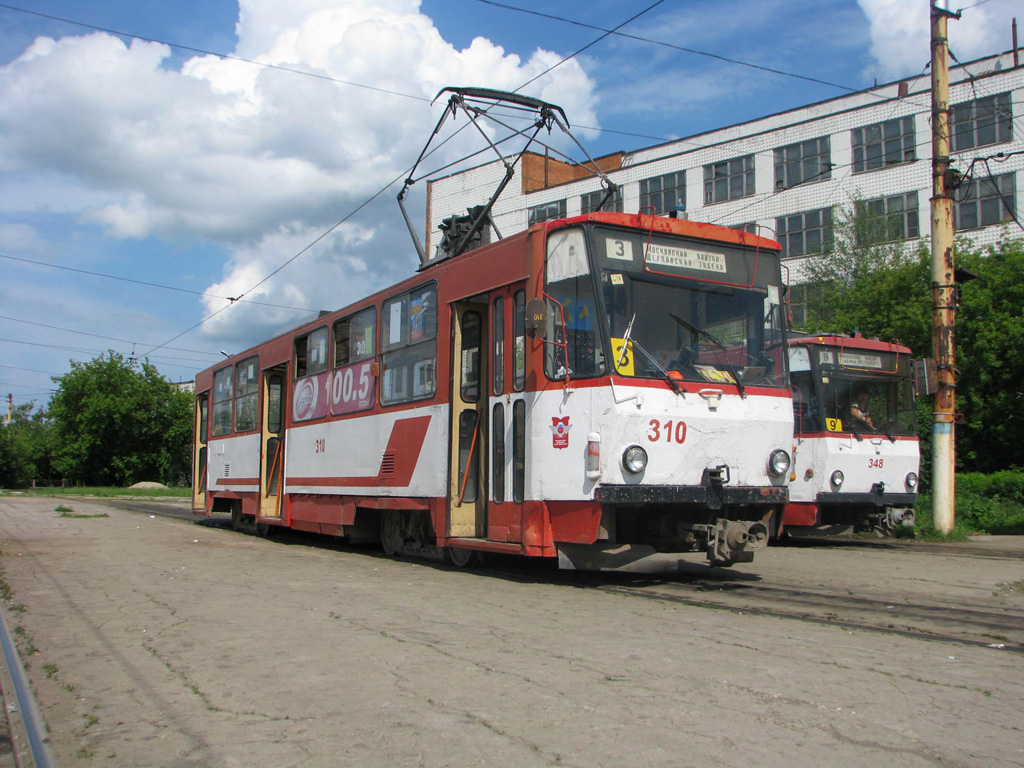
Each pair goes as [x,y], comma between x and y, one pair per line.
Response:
[236,517]
[263,529]
[462,558]
[391,536]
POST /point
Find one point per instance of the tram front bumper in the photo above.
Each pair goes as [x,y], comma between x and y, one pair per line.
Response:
[708,496]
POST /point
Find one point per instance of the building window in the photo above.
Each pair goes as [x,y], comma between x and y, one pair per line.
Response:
[663,194]
[982,121]
[804,233]
[409,343]
[882,144]
[886,219]
[590,201]
[729,180]
[985,202]
[799,163]
[750,227]
[547,212]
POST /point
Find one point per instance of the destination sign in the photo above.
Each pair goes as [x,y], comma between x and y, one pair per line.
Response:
[854,360]
[685,258]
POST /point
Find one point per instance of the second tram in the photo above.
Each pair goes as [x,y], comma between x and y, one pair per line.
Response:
[856,453]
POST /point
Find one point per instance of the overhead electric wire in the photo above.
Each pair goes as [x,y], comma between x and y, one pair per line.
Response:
[152,285]
[229,56]
[381,191]
[662,43]
[607,32]
[108,338]
[85,351]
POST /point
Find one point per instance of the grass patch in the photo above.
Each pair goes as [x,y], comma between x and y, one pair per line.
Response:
[100,492]
[69,513]
[992,504]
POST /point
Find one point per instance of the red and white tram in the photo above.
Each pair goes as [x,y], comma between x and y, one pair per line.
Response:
[856,456]
[597,389]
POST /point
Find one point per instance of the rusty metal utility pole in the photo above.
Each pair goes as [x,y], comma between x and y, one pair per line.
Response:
[943,282]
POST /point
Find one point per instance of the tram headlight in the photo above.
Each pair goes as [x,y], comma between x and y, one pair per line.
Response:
[778,462]
[837,479]
[634,459]
[912,480]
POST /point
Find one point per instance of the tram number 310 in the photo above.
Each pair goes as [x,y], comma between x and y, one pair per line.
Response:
[667,431]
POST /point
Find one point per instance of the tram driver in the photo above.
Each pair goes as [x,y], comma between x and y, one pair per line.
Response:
[860,408]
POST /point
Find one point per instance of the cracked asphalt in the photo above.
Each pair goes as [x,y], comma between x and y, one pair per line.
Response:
[165,643]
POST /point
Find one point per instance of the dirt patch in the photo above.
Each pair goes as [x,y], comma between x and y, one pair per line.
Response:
[160,642]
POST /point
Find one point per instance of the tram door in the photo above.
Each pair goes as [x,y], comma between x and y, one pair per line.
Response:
[272,443]
[467,492]
[202,422]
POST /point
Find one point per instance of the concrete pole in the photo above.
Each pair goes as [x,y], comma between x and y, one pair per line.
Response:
[943,282]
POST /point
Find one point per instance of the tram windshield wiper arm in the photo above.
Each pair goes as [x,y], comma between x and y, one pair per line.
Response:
[627,340]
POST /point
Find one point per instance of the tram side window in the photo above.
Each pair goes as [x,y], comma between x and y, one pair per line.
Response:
[204,418]
[409,346]
[518,451]
[311,353]
[222,402]
[246,394]
[355,337]
[498,365]
[519,341]
[577,350]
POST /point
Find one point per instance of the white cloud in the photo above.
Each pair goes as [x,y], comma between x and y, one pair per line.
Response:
[240,154]
[901,30]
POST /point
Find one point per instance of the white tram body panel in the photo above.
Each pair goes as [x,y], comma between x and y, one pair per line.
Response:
[360,455]
[234,464]
[867,464]
[683,435]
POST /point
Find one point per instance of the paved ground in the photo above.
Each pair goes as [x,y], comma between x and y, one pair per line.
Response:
[156,642]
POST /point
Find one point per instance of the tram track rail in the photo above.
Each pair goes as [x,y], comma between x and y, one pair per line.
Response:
[30,742]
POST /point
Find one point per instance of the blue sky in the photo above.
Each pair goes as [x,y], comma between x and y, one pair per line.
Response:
[142,183]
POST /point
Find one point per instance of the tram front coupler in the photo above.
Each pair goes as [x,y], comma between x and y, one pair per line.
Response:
[735,541]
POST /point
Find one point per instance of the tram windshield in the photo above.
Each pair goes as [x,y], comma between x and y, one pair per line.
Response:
[866,393]
[671,309]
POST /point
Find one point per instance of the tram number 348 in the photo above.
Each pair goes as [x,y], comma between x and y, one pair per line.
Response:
[667,431]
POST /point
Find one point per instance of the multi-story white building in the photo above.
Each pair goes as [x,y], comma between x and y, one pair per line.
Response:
[785,175]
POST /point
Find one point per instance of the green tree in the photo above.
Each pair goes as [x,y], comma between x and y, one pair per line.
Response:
[884,290]
[25,447]
[871,284]
[990,357]
[118,422]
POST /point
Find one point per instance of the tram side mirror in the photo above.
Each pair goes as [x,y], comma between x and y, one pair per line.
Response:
[536,319]
[926,378]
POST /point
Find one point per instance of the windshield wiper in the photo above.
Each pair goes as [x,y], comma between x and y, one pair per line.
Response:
[665,374]
[627,340]
[701,333]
